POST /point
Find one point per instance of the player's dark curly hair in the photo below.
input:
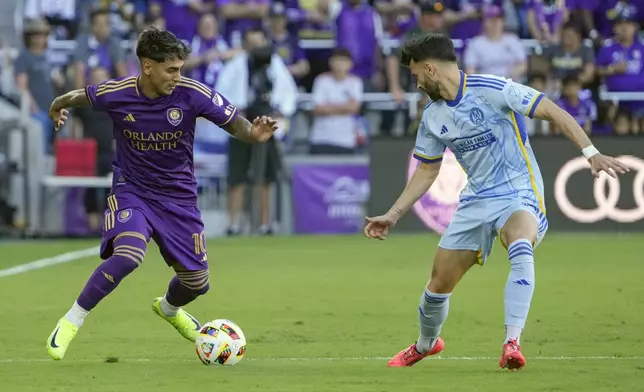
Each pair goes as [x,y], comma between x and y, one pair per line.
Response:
[430,46]
[160,45]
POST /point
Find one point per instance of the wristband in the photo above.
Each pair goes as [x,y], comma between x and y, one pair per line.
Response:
[590,151]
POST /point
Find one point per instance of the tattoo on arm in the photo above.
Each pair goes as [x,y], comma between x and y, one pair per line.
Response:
[73,99]
[240,128]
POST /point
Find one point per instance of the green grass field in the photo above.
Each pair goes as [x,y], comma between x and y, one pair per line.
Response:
[323,313]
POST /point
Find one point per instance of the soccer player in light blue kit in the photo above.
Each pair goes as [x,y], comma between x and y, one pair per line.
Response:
[480,119]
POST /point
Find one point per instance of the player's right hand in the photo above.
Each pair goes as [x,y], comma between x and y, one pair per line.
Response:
[59,117]
[378,226]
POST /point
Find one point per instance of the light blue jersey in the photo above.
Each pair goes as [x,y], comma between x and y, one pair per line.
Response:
[484,128]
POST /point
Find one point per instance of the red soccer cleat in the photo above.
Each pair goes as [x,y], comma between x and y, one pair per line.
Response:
[512,359]
[409,356]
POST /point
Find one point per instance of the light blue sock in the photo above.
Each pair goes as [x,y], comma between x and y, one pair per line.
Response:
[432,314]
[519,288]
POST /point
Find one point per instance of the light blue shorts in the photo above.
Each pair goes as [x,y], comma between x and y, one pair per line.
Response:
[476,224]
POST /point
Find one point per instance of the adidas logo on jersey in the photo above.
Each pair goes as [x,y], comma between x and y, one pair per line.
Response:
[444,130]
[129,118]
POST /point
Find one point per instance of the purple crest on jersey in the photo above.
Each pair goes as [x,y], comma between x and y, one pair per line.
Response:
[125,215]
[175,115]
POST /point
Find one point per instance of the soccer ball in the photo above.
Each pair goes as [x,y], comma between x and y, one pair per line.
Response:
[221,342]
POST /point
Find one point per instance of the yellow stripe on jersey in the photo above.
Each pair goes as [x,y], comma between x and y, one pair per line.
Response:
[115,83]
[196,83]
[195,87]
[229,118]
[131,234]
[533,182]
[136,85]
[114,89]
[435,158]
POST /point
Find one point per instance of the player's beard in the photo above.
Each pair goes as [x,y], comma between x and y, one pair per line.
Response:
[432,90]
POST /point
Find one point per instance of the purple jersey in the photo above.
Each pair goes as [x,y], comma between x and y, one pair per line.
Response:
[471,27]
[613,53]
[154,137]
[583,111]
[550,15]
[208,73]
[608,10]
[235,28]
[289,49]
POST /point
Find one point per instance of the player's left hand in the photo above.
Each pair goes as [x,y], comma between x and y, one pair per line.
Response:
[610,165]
[263,128]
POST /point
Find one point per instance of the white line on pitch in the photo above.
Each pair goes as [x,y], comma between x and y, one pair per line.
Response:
[48,262]
[314,359]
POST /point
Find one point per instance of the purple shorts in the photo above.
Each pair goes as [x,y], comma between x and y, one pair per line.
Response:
[177,230]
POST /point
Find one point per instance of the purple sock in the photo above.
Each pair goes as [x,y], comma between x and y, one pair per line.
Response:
[180,295]
[128,254]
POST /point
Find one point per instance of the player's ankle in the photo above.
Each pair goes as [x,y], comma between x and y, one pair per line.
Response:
[167,308]
[512,332]
[76,315]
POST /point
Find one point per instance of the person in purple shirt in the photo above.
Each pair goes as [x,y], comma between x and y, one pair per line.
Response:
[181,16]
[579,104]
[359,30]
[464,17]
[209,51]
[154,191]
[620,62]
[608,11]
[241,15]
[286,44]
[545,18]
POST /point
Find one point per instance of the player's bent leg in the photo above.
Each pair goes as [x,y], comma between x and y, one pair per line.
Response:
[128,253]
[518,234]
[449,268]
[184,288]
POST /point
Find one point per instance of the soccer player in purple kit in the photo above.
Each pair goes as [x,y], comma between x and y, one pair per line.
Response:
[154,191]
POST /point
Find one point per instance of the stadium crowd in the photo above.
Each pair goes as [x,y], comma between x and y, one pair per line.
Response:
[568,49]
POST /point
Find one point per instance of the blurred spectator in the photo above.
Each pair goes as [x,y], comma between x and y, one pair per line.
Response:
[181,16]
[571,57]
[359,30]
[398,15]
[495,52]
[337,97]
[535,126]
[582,14]
[60,13]
[285,43]
[209,51]
[544,19]
[578,103]
[241,15]
[257,82]
[90,124]
[608,12]
[320,26]
[34,76]
[400,80]
[464,17]
[620,63]
[98,49]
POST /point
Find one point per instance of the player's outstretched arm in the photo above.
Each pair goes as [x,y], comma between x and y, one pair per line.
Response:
[73,99]
[423,178]
[260,130]
[549,111]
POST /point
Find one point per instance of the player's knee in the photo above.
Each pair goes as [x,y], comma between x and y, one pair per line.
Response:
[130,248]
[198,282]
